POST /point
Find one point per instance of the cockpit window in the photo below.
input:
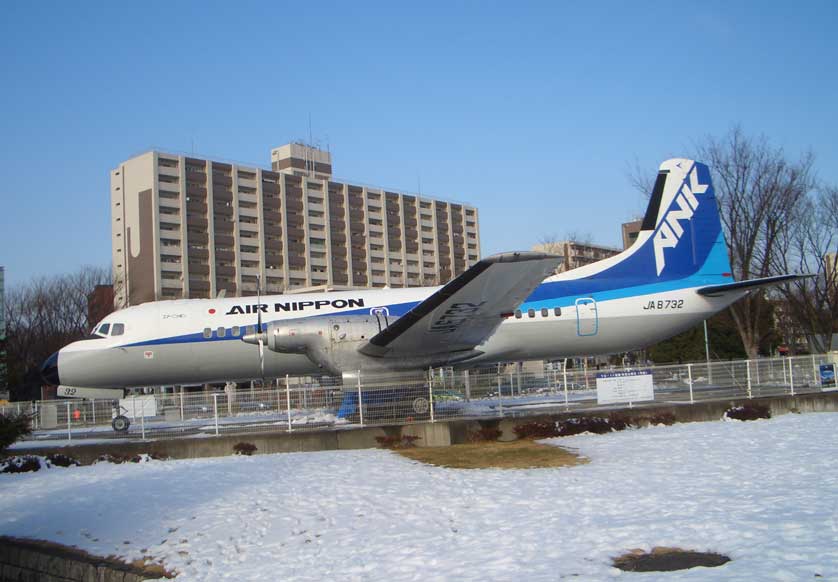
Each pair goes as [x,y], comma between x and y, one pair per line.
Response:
[118,329]
[104,328]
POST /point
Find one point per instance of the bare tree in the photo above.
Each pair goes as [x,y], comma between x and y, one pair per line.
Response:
[551,244]
[44,315]
[760,193]
[811,246]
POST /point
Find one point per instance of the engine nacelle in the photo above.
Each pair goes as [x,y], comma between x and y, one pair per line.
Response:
[330,342]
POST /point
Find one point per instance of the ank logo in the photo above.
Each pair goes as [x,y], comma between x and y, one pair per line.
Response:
[684,206]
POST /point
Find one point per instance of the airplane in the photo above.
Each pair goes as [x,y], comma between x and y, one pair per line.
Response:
[506,307]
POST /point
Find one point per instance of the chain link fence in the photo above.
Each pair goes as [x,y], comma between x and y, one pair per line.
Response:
[297,404]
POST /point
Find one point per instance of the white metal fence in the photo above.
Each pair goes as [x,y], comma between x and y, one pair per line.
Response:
[294,404]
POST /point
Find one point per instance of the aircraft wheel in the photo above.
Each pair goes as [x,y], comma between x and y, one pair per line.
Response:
[120,423]
[421,405]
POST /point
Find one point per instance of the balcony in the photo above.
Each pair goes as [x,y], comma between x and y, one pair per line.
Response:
[195,207]
[198,285]
[197,191]
[198,269]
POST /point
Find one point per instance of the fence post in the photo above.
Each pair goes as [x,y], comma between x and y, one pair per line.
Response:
[431,396]
[181,403]
[467,381]
[757,369]
[511,384]
[360,403]
[93,409]
[814,372]
[564,372]
[500,396]
[564,375]
[585,365]
[278,406]
[215,411]
[785,376]
[791,377]
[69,417]
[690,380]
[288,399]
[142,421]
[748,364]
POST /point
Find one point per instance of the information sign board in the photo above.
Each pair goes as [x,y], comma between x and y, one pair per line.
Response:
[828,377]
[625,386]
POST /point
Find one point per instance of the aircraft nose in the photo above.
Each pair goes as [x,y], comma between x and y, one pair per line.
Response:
[49,371]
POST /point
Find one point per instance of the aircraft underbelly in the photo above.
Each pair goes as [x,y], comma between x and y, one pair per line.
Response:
[559,339]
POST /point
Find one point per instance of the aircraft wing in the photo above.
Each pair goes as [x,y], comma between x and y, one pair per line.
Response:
[466,311]
[719,290]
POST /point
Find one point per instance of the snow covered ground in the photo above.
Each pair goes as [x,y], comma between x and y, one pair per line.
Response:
[765,493]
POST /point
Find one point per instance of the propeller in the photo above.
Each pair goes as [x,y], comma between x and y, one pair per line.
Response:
[260,337]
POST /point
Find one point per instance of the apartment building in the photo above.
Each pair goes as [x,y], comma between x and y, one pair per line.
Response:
[575,254]
[189,227]
[631,230]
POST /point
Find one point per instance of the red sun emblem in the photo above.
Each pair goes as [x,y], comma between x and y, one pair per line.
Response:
[212,311]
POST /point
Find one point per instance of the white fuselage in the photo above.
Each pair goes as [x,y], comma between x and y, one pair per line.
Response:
[177,342]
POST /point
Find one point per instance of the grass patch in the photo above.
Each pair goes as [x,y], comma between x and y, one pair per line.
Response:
[493,455]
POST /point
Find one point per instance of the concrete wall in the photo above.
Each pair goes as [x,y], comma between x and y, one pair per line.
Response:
[27,561]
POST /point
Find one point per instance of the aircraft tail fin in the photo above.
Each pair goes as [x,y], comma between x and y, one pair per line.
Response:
[680,244]
[682,226]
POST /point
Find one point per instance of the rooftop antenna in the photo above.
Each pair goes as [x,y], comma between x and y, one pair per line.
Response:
[310,145]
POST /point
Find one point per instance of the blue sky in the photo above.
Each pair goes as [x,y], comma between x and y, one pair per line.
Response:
[534,112]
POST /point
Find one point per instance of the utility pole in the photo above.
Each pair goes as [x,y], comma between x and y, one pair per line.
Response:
[707,354]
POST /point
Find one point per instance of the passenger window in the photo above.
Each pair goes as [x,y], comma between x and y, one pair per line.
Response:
[222,332]
[118,329]
[104,328]
[517,314]
[557,311]
[207,332]
[545,312]
[251,329]
[235,331]
[531,312]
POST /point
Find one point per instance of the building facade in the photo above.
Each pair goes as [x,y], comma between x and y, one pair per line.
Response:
[631,230]
[576,254]
[186,227]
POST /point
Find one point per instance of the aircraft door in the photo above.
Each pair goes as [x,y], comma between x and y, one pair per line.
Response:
[587,320]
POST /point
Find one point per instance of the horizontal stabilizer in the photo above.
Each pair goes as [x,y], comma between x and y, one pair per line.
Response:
[718,290]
